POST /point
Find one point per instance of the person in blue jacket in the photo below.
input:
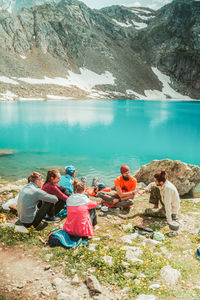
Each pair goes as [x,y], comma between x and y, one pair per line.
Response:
[68,178]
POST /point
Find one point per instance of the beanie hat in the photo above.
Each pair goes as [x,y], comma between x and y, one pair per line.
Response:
[70,170]
[124,169]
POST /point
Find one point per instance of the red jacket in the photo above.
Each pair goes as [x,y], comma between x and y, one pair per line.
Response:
[78,217]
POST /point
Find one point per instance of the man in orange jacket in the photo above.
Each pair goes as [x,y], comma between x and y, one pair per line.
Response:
[125,186]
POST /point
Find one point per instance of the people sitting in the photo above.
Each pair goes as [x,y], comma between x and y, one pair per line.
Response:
[125,191]
[28,199]
[81,215]
[51,186]
[68,178]
[170,199]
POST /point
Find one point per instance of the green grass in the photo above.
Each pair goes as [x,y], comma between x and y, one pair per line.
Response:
[82,261]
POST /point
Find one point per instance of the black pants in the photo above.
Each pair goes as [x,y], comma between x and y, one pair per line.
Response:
[93,216]
[45,208]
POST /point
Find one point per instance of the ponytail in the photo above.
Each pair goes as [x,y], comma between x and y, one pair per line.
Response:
[50,174]
[79,187]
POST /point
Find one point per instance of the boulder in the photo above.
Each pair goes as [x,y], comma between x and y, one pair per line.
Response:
[169,275]
[184,176]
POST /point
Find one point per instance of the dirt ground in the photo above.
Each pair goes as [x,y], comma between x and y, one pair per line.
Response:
[24,276]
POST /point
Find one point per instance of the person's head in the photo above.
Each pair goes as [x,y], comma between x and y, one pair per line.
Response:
[70,170]
[125,171]
[79,187]
[53,176]
[36,178]
[160,177]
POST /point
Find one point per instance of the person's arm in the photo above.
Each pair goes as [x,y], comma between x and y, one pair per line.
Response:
[147,189]
[43,196]
[91,204]
[168,204]
[58,193]
[64,190]
[126,195]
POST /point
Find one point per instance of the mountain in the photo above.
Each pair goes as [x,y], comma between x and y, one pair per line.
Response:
[15,6]
[69,50]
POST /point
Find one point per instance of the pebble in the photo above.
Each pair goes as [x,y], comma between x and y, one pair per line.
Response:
[48,256]
[44,293]
[47,267]
[75,280]
[154,286]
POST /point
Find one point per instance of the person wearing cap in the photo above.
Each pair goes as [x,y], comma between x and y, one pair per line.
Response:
[68,178]
[125,186]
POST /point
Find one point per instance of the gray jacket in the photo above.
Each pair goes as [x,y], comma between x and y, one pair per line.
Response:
[28,199]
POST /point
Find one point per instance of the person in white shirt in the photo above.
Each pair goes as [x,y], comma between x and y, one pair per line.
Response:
[169,195]
[170,199]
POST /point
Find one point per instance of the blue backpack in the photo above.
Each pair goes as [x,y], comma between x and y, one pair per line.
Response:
[198,253]
[59,237]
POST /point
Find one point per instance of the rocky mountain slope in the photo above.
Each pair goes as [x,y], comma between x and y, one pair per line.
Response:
[73,51]
[15,6]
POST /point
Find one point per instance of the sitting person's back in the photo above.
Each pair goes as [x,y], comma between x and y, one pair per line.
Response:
[81,215]
[28,199]
[68,178]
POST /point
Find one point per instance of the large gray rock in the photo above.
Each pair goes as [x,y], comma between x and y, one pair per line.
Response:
[184,176]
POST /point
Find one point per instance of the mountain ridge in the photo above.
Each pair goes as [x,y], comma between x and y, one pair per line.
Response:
[133,45]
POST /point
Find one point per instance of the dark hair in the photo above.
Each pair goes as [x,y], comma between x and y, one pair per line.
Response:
[79,187]
[161,176]
[34,176]
[50,174]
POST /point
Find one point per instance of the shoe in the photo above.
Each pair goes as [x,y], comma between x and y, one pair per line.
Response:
[125,211]
[99,206]
[42,225]
[84,180]
[95,181]
[52,219]
[155,207]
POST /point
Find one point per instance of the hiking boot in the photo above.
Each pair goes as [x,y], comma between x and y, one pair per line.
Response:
[95,181]
[52,219]
[125,210]
[84,180]
[41,226]
[174,217]
[99,206]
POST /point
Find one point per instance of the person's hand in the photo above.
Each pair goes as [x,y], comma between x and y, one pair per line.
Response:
[141,192]
[115,201]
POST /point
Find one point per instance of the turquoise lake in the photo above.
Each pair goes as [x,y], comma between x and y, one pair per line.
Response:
[96,136]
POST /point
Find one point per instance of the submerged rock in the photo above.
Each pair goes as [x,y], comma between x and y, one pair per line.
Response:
[6,152]
[184,176]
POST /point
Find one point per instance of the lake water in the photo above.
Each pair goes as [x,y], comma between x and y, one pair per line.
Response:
[96,136]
